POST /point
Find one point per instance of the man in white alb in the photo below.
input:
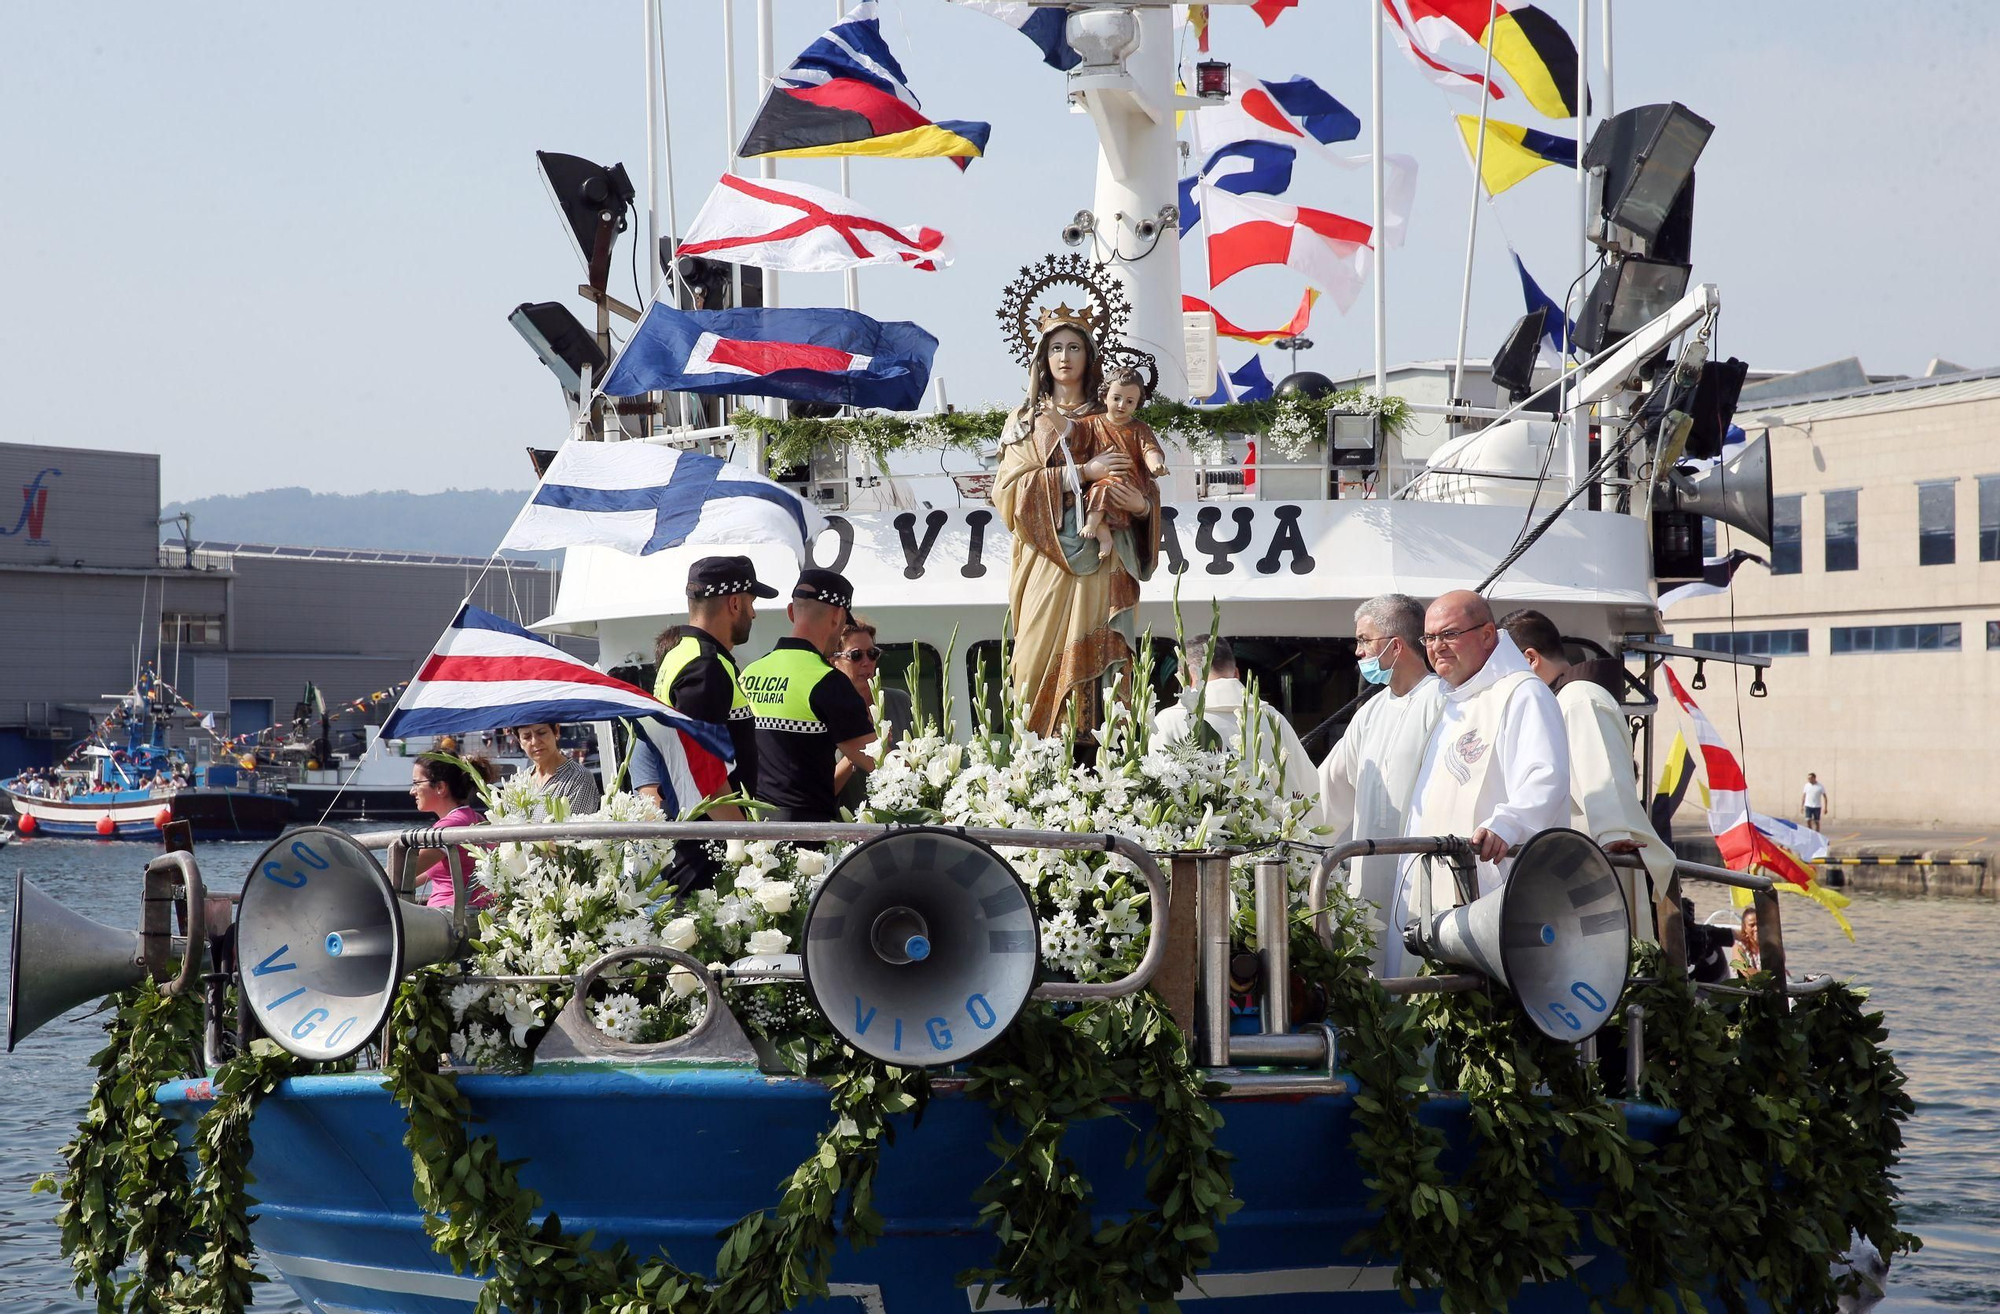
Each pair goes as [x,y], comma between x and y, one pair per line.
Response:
[1366,780]
[1603,788]
[1497,766]
[1210,676]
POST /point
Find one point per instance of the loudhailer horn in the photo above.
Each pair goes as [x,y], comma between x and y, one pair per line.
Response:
[921,947]
[1557,934]
[324,940]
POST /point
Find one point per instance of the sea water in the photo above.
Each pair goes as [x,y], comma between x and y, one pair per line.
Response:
[1927,962]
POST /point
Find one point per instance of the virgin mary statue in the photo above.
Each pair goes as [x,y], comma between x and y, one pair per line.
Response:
[1063,598]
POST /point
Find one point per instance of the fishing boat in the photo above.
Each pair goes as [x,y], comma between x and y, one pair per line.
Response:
[127,783]
[667,1144]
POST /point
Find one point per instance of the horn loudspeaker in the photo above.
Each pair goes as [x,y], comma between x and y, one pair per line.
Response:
[61,959]
[1557,934]
[921,948]
[324,941]
[1736,492]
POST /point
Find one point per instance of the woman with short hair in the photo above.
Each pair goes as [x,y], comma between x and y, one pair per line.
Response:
[556,775]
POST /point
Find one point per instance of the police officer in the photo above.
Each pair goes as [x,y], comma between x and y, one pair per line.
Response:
[697,675]
[808,714]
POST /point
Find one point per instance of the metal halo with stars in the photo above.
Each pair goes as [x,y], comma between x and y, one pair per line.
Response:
[1120,356]
[1022,302]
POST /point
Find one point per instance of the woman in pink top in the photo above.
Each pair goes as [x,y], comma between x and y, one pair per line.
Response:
[442,787]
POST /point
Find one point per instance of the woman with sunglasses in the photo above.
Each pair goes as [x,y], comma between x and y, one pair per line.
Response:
[442,786]
[856,656]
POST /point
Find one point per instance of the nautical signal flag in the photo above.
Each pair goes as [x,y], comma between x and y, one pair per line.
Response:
[1268,169]
[1040,24]
[1250,381]
[1330,250]
[1532,47]
[845,95]
[1300,321]
[1557,329]
[1716,574]
[486,673]
[1297,111]
[640,498]
[1512,151]
[823,355]
[791,226]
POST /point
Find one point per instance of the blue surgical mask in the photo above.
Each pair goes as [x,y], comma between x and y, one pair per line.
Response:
[1373,671]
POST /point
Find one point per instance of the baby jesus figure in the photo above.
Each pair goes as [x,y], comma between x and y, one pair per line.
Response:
[1119,430]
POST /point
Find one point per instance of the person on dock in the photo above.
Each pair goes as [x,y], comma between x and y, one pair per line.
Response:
[1209,675]
[1603,787]
[1496,769]
[1366,782]
[1813,800]
[808,714]
[553,771]
[859,657]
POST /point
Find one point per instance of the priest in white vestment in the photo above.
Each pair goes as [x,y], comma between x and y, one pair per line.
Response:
[1496,769]
[1365,782]
[1603,788]
[1210,676]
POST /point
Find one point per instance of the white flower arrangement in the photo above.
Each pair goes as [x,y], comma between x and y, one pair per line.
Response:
[557,907]
[1293,433]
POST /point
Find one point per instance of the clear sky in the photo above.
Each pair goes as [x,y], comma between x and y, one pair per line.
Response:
[278,243]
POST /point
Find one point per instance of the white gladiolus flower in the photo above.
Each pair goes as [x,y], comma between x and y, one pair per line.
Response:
[680,933]
[762,943]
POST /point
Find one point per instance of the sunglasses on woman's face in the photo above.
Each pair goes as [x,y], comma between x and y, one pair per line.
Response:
[860,654]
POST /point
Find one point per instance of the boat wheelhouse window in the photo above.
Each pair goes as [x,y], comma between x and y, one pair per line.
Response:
[1786,553]
[1843,530]
[1755,643]
[1942,637]
[190,630]
[894,669]
[1937,523]
[1989,517]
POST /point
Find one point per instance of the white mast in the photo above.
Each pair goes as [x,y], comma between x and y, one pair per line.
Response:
[851,279]
[767,167]
[729,123]
[1127,89]
[1375,171]
[1472,212]
[1579,418]
[652,147]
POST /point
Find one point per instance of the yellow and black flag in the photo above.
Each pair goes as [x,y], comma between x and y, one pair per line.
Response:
[1539,55]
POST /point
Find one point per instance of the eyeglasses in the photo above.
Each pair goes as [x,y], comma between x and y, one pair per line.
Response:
[860,654]
[1443,637]
[1369,643]
[423,784]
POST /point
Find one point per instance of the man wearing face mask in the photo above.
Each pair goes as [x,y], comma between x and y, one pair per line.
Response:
[1365,783]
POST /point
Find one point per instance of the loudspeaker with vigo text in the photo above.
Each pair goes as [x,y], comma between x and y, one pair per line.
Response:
[1557,934]
[921,948]
[324,941]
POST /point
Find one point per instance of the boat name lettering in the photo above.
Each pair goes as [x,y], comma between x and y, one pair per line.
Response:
[1276,526]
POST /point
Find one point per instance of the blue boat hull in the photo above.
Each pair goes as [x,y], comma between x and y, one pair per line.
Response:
[671,1157]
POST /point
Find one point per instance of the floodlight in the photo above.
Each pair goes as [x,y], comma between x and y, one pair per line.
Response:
[1350,440]
[1514,363]
[1631,293]
[564,345]
[714,281]
[593,199]
[1647,154]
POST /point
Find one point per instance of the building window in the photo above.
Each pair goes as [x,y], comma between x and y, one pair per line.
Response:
[1992,635]
[1843,516]
[1758,643]
[1898,638]
[1937,523]
[1989,517]
[184,630]
[1786,552]
[1708,547]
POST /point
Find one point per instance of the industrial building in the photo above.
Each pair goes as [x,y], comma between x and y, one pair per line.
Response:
[1880,609]
[88,591]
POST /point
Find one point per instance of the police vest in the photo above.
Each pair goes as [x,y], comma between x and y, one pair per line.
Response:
[677,660]
[779,687]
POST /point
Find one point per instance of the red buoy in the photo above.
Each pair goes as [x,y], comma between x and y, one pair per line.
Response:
[105,825]
[163,818]
[26,825]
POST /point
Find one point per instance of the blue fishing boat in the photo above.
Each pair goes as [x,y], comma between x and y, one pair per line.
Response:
[126,782]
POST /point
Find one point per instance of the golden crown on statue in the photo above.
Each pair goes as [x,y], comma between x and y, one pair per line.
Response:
[1063,317]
